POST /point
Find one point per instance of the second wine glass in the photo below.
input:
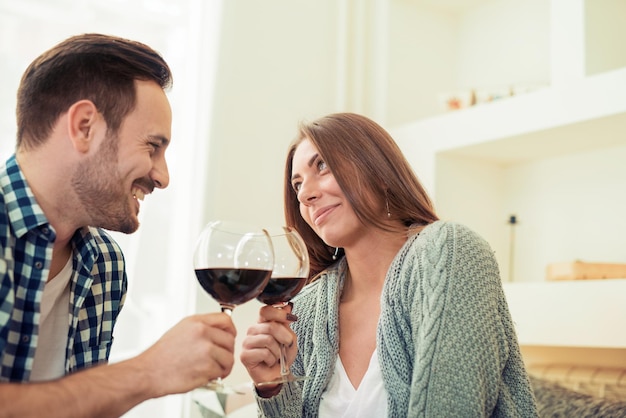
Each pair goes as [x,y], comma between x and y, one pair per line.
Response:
[289,275]
[233,262]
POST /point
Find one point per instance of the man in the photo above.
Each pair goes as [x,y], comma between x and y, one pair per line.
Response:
[93,126]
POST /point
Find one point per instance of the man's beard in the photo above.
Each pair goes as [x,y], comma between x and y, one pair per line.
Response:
[100,190]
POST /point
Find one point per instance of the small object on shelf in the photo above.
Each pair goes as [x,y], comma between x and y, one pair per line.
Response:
[492,95]
[579,270]
[457,100]
[467,98]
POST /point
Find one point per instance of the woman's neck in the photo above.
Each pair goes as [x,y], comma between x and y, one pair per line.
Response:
[368,263]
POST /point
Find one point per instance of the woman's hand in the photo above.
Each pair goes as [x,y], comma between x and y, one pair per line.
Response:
[261,348]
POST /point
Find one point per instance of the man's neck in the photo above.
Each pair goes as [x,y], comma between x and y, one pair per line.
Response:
[49,181]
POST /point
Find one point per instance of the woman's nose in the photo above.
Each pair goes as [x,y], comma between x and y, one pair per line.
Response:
[308,193]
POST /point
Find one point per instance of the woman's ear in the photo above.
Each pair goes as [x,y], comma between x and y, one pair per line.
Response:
[81,120]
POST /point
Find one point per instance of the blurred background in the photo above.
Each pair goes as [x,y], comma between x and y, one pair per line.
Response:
[512,113]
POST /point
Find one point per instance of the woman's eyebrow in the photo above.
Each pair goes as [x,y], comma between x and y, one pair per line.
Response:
[309,163]
[312,159]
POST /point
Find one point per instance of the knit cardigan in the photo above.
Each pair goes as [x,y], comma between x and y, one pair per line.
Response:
[445,340]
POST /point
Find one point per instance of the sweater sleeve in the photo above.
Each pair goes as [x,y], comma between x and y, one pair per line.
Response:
[287,403]
[467,362]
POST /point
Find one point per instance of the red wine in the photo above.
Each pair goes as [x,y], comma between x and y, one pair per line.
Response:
[233,286]
[281,289]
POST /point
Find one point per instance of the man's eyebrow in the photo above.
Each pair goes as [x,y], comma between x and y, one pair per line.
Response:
[160,138]
[309,163]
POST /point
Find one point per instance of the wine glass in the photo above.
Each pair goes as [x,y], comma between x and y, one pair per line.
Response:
[289,275]
[233,263]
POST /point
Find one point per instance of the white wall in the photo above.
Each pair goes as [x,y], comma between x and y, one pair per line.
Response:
[489,45]
[568,207]
[422,61]
[504,43]
[604,31]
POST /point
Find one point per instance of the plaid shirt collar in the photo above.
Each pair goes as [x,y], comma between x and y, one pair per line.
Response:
[23,211]
[25,214]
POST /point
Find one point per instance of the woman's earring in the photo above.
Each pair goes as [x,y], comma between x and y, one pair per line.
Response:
[336,252]
[387,204]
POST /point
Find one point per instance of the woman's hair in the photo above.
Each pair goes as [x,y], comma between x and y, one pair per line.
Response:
[370,170]
[95,67]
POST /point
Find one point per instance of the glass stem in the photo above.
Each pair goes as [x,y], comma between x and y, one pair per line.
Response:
[228,310]
[283,363]
[284,372]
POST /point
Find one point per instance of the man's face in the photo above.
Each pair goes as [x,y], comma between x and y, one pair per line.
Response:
[129,165]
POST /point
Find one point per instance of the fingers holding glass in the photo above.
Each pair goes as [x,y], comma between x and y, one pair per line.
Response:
[261,347]
[289,275]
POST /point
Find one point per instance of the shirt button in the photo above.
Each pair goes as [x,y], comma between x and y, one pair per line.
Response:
[25,338]
[45,230]
[38,265]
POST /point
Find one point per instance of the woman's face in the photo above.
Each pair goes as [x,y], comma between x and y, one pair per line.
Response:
[323,204]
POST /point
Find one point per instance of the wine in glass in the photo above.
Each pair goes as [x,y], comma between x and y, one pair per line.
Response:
[233,263]
[289,275]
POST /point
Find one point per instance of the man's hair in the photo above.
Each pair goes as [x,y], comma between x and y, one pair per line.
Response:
[94,67]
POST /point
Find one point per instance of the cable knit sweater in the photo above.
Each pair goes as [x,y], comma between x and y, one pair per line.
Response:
[445,340]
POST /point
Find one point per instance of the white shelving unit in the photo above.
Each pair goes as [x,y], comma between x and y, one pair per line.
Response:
[554,158]
[542,319]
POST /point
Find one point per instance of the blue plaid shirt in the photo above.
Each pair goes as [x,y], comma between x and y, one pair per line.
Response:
[97,287]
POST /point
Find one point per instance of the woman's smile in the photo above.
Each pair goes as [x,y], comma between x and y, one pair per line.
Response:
[322,213]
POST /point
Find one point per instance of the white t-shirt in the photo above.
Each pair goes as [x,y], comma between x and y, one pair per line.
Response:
[54,323]
[342,400]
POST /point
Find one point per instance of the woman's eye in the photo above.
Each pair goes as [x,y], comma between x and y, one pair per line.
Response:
[296,186]
[321,165]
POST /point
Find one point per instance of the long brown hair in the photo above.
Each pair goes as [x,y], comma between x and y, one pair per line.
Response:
[367,164]
[96,67]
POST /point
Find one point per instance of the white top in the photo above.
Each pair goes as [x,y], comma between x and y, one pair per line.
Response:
[49,362]
[342,400]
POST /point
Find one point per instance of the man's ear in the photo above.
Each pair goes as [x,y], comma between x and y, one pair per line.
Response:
[81,120]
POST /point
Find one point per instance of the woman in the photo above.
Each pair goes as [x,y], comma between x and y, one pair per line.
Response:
[405,315]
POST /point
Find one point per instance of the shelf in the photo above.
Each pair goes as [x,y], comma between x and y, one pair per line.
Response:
[546,157]
[534,125]
[585,313]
